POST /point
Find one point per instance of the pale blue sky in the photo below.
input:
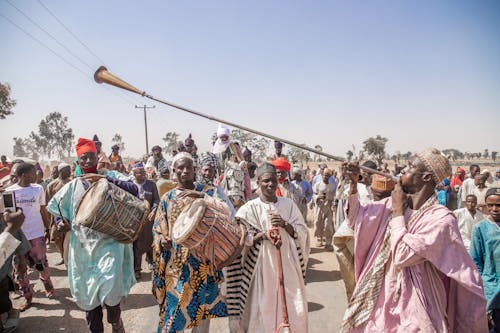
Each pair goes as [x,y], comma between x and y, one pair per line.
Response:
[421,73]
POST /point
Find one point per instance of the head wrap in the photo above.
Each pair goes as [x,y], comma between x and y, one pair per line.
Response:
[436,163]
[62,166]
[247,153]
[322,166]
[138,165]
[115,147]
[492,191]
[278,144]
[96,139]
[85,146]
[222,130]
[180,156]
[164,170]
[281,164]
[265,168]
[189,140]
[382,184]
[208,158]
[156,148]
[219,146]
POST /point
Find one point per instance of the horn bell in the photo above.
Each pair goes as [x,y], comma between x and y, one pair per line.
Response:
[102,75]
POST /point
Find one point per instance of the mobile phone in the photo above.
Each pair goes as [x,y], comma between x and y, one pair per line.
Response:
[9,202]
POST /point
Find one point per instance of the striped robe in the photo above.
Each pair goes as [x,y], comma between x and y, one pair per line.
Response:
[252,290]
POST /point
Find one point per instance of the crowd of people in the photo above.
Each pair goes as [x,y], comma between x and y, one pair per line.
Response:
[418,251]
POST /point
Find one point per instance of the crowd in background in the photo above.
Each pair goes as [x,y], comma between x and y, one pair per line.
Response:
[229,174]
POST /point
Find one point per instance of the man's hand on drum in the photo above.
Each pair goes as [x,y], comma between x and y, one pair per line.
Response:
[190,193]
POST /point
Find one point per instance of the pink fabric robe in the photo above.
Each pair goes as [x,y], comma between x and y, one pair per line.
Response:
[439,290]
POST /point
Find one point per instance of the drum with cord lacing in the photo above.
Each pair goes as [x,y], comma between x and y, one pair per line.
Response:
[111,210]
[205,228]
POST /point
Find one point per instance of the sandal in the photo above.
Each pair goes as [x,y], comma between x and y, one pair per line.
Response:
[25,306]
[49,289]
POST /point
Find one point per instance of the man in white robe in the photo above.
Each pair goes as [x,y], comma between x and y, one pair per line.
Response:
[262,302]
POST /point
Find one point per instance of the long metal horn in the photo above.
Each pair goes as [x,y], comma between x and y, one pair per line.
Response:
[102,75]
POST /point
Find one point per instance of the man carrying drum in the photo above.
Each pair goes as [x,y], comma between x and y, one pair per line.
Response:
[186,288]
[100,269]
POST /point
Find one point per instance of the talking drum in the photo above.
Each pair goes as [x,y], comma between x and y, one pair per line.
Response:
[111,210]
[205,228]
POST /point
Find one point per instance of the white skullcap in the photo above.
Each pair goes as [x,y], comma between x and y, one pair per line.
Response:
[182,155]
[62,166]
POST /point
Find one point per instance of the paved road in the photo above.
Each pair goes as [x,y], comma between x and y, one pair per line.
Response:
[325,293]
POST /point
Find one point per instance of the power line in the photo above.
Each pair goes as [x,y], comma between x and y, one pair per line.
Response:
[119,94]
[124,97]
[50,35]
[45,46]
[70,32]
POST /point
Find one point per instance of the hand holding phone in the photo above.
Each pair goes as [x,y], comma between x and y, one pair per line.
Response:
[14,220]
[9,201]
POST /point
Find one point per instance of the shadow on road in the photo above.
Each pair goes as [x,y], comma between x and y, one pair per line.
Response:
[311,306]
[313,261]
[138,301]
[52,324]
[314,275]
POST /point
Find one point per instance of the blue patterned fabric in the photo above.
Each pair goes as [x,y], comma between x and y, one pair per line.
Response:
[186,289]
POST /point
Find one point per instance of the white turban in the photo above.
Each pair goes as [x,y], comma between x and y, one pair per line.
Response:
[222,130]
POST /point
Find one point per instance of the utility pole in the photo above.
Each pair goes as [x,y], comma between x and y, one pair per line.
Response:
[145,123]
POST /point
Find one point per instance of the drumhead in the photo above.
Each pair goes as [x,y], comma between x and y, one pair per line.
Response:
[188,220]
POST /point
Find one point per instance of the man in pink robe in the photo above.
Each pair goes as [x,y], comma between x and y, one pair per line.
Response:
[413,273]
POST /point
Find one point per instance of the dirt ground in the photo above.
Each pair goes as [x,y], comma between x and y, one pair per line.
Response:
[325,294]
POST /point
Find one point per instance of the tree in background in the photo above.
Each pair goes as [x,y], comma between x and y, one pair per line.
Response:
[486,153]
[407,155]
[375,147]
[25,148]
[349,154]
[297,155]
[241,136]
[54,137]
[452,153]
[494,155]
[118,140]
[317,157]
[171,140]
[257,144]
[6,103]
[19,149]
